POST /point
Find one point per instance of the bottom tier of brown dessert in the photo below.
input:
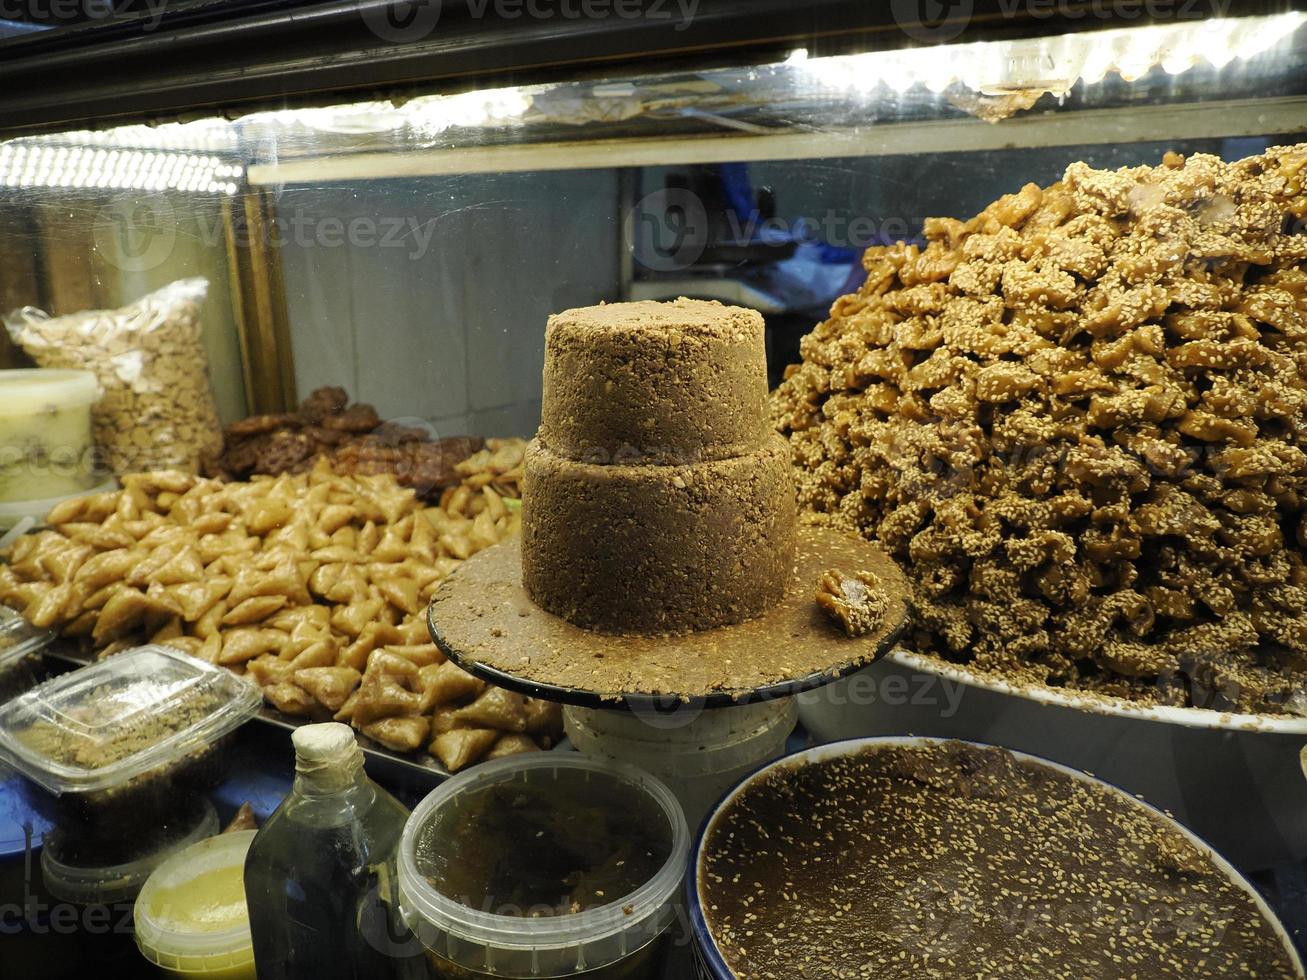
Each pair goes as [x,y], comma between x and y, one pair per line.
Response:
[658,549]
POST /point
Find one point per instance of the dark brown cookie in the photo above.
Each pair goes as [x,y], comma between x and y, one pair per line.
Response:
[326,438]
[282,451]
[323,402]
[394,434]
[242,455]
[260,424]
[356,418]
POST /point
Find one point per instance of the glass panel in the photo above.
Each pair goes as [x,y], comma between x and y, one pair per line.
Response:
[408,251]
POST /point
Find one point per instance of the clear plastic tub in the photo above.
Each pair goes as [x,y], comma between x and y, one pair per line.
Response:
[46,446]
[85,872]
[20,648]
[698,754]
[547,865]
[125,743]
[191,918]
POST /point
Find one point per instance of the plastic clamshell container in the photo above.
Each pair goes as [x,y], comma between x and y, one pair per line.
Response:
[46,444]
[20,642]
[187,919]
[127,740]
[711,964]
[35,511]
[618,940]
[120,880]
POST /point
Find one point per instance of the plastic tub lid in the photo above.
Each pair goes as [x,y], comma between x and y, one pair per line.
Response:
[19,638]
[170,941]
[109,884]
[82,732]
[27,391]
[536,945]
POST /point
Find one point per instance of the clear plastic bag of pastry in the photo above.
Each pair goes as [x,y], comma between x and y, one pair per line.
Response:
[157,411]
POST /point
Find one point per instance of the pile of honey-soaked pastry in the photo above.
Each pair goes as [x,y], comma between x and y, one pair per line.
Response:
[314,586]
[1078,420]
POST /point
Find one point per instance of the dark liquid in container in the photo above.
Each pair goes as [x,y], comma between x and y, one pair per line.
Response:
[557,844]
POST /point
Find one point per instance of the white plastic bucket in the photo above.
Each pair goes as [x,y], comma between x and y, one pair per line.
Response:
[46,445]
[698,753]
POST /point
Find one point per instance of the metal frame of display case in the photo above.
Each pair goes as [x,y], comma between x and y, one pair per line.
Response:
[259,304]
[218,54]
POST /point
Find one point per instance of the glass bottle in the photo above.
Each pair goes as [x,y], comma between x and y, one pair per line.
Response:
[320,877]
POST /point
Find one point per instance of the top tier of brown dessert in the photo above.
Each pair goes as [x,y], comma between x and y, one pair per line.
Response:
[655,500]
[654,382]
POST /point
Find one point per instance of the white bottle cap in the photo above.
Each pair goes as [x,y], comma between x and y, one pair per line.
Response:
[318,743]
[327,753]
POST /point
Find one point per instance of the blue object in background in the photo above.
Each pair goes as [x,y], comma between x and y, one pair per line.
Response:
[15,28]
[22,830]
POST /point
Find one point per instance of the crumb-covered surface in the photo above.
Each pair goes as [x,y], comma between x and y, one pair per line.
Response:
[658,549]
[482,617]
[960,861]
[1078,422]
[109,725]
[648,382]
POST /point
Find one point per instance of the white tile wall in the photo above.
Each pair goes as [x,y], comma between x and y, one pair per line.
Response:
[453,334]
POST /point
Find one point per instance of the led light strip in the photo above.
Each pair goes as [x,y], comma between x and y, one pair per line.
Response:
[35,165]
[1055,63]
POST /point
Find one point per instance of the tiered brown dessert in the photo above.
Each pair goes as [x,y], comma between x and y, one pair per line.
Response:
[656,498]
[660,553]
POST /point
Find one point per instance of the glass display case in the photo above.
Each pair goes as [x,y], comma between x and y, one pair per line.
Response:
[1011,260]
